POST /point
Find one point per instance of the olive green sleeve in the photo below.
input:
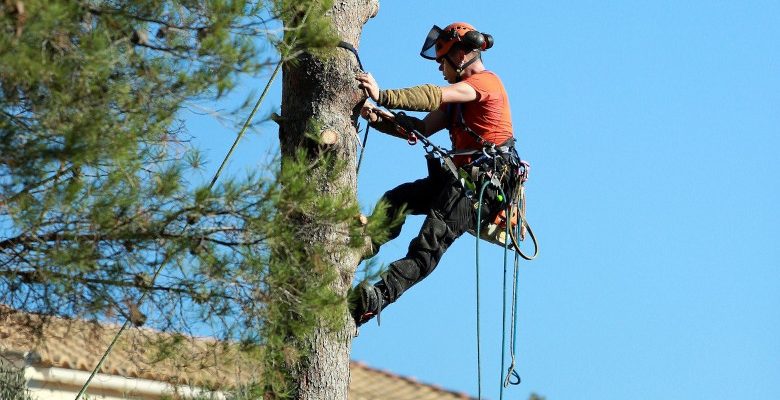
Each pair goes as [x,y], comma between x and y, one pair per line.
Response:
[417,98]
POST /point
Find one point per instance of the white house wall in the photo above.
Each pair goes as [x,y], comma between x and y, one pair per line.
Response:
[64,384]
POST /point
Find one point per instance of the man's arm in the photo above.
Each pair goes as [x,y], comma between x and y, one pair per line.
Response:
[386,123]
[418,98]
[434,122]
[460,92]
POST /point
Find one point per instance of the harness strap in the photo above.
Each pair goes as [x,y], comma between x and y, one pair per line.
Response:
[460,121]
[450,166]
[499,150]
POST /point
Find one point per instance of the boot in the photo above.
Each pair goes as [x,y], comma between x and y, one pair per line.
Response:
[365,302]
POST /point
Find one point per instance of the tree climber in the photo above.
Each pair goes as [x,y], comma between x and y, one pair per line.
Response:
[474,107]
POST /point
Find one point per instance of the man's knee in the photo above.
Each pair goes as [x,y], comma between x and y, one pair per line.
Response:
[434,238]
[392,216]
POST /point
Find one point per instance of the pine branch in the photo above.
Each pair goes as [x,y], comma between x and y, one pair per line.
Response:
[37,277]
[127,237]
[27,189]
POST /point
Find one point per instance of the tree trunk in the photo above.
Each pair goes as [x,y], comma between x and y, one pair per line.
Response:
[323,89]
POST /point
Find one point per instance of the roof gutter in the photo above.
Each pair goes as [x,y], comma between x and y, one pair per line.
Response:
[120,384]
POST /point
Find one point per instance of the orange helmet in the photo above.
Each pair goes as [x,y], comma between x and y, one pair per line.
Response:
[439,41]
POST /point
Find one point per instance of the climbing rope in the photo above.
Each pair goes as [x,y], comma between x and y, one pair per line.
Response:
[505,382]
[157,272]
[523,225]
[503,304]
[246,124]
[479,341]
[362,148]
[512,376]
[349,47]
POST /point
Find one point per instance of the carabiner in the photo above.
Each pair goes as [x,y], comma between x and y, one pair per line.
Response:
[484,151]
[411,138]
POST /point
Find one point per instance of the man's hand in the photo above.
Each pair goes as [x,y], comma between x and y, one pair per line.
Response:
[373,114]
[368,83]
[382,121]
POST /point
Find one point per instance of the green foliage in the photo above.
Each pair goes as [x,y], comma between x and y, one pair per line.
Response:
[98,216]
[308,30]
[300,276]
[12,383]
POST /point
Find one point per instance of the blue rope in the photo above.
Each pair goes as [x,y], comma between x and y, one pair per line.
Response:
[477,231]
[503,303]
[503,313]
[512,376]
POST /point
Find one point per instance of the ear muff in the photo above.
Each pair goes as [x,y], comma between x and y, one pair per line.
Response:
[488,41]
[477,41]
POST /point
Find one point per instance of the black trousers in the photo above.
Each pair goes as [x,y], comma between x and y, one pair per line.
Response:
[449,213]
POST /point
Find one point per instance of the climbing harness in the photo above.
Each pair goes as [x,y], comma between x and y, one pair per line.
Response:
[513,168]
[492,166]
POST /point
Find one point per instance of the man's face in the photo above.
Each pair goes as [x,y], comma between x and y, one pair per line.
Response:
[446,67]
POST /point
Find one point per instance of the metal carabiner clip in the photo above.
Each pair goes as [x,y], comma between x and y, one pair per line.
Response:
[411,138]
[484,151]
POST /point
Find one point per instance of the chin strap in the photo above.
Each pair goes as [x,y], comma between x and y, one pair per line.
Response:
[466,65]
[459,70]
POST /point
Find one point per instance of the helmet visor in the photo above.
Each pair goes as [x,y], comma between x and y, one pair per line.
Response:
[429,47]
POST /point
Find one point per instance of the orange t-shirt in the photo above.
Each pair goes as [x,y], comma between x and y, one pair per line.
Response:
[489,116]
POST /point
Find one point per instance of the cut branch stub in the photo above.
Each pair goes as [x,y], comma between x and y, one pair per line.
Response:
[329,137]
[363,220]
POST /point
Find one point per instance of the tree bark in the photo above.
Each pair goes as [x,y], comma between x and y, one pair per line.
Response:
[323,89]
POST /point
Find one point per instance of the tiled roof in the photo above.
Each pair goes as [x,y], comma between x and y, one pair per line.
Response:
[373,384]
[78,345]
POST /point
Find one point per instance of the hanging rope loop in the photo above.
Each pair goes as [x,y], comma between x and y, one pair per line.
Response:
[512,377]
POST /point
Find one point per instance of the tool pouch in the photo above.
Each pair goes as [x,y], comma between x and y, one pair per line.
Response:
[435,169]
[499,172]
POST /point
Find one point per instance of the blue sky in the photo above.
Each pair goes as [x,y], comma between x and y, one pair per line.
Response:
[652,128]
